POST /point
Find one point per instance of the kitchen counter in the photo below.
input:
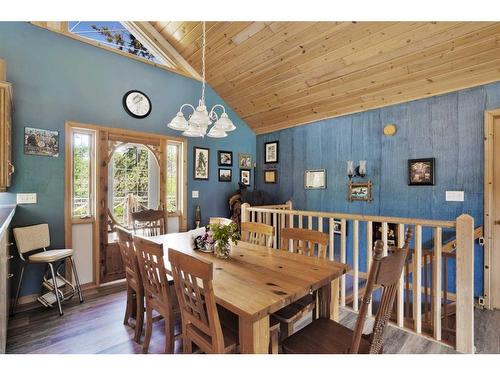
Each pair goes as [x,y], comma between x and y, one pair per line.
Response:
[6,214]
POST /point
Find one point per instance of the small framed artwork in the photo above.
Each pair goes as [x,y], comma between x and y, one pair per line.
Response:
[41,142]
[245,161]
[421,171]
[225,158]
[245,176]
[225,174]
[315,179]
[360,191]
[271,152]
[201,159]
[271,176]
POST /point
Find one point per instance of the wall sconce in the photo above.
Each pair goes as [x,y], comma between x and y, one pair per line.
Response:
[359,171]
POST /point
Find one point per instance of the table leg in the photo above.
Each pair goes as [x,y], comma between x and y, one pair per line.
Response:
[329,301]
[254,336]
[335,288]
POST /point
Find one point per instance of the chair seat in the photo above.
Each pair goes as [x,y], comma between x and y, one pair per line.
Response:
[50,255]
[323,336]
[296,309]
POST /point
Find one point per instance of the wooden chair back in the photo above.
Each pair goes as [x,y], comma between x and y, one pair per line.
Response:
[150,222]
[129,258]
[220,220]
[305,241]
[257,233]
[193,284]
[384,271]
[153,273]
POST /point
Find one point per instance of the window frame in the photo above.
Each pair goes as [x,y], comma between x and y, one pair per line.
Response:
[180,178]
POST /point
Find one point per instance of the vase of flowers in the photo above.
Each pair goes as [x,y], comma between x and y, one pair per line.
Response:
[224,235]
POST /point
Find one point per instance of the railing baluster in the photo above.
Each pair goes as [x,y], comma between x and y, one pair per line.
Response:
[369,255]
[331,244]
[342,259]
[417,280]
[355,261]
[309,222]
[436,273]
[300,221]
[275,230]
[400,296]
[385,231]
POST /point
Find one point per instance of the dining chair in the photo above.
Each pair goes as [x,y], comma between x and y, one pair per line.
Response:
[157,291]
[257,233]
[149,222]
[220,220]
[325,336]
[37,237]
[135,288]
[200,319]
[309,243]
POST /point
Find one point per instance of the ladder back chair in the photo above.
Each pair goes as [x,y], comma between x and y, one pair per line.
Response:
[157,292]
[37,237]
[149,223]
[324,336]
[309,243]
[200,319]
[220,220]
[135,288]
[257,233]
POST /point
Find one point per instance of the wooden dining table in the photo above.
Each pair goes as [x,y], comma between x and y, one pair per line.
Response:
[256,281]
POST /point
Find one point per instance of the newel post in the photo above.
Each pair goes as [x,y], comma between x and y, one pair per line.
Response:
[465,284]
[245,214]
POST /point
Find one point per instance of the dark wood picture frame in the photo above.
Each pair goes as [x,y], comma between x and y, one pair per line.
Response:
[230,175]
[219,160]
[268,173]
[272,161]
[429,176]
[249,176]
[195,149]
[353,195]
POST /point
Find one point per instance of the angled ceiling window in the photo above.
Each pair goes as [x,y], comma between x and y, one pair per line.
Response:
[114,35]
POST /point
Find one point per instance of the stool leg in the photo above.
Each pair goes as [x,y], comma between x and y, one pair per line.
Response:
[77,281]
[56,290]
[18,289]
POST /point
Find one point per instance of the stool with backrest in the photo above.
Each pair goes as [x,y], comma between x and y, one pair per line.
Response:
[200,319]
[36,237]
[324,336]
[157,292]
[149,223]
[257,233]
[309,243]
[135,288]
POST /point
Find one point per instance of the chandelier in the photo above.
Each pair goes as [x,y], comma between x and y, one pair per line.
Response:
[200,119]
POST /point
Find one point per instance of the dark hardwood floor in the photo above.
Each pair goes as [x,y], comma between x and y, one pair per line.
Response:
[96,326]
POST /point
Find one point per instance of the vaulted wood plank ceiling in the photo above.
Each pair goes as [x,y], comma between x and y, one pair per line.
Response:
[277,75]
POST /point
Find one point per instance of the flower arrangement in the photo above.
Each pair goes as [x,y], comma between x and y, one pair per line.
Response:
[223,235]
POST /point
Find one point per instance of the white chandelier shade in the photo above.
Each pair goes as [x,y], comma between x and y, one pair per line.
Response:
[196,125]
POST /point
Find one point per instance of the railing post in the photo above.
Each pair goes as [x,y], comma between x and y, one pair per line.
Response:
[245,217]
[465,284]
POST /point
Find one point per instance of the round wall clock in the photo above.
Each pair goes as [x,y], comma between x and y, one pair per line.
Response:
[390,130]
[136,104]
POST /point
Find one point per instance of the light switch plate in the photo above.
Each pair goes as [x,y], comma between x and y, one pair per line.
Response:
[26,198]
[455,196]
[195,194]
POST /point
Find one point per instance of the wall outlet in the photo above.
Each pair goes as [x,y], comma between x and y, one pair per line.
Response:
[195,194]
[455,196]
[26,198]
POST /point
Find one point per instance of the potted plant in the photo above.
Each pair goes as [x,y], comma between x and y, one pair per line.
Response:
[223,235]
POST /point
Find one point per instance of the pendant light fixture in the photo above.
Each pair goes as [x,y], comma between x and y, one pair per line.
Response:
[198,122]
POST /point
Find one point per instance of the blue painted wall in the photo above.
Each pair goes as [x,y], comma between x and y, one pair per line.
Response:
[56,78]
[447,127]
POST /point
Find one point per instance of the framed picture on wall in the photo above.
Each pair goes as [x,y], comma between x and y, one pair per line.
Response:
[245,161]
[315,179]
[41,142]
[225,174]
[271,152]
[360,191]
[201,160]
[245,176]
[225,158]
[421,171]
[270,176]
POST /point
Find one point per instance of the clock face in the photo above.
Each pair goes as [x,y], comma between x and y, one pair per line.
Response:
[137,104]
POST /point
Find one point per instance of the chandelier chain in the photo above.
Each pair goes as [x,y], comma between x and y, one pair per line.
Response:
[203,63]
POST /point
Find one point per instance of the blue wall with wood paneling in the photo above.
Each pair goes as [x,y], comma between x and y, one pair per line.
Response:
[56,78]
[447,127]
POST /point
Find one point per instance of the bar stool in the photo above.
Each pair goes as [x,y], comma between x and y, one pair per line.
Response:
[36,237]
